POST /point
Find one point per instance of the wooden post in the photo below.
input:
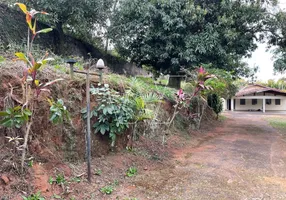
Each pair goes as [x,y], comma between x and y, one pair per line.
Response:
[88,147]
[100,76]
[71,70]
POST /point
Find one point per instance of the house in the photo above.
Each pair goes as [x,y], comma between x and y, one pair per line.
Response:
[256,97]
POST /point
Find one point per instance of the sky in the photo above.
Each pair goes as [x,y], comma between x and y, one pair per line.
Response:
[263,58]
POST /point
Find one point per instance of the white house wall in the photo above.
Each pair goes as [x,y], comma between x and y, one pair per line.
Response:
[224,104]
[272,106]
[248,102]
[248,105]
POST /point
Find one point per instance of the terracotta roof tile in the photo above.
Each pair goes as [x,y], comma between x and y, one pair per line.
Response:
[256,88]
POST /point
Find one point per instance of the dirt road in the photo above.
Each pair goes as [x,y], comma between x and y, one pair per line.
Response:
[243,160]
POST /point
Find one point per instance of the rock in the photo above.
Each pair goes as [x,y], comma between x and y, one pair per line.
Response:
[5,179]
[145,168]
[230,181]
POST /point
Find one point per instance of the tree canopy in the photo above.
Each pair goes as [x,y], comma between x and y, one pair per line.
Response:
[78,18]
[170,34]
[276,27]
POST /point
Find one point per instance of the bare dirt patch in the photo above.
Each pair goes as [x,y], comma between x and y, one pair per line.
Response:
[243,159]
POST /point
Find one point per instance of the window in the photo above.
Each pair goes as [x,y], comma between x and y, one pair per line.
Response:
[268,101]
[242,101]
[254,101]
[277,102]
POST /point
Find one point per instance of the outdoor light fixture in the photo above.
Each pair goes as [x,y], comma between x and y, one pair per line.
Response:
[100,66]
[71,62]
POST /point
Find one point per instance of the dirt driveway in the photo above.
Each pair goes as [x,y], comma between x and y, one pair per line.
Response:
[244,160]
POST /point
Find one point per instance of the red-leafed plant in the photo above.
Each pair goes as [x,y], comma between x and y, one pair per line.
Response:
[23,114]
[181,98]
[203,75]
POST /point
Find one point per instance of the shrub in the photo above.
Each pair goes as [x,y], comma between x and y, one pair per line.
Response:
[58,111]
[215,103]
[113,112]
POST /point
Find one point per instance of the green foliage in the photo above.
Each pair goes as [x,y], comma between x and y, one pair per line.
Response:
[279,84]
[36,196]
[113,112]
[222,118]
[51,180]
[223,85]
[132,171]
[184,33]
[276,25]
[14,117]
[76,179]
[116,182]
[17,116]
[147,80]
[151,98]
[98,172]
[107,189]
[60,179]
[75,17]
[2,59]
[279,65]
[117,81]
[60,68]
[138,86]
[215,103]
[58,112]
[278,123]
[194,103]
[31,163]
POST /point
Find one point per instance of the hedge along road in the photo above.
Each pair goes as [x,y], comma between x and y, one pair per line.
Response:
[242,160]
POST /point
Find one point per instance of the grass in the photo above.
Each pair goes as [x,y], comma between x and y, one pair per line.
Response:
[140,85]
[278,123]
[222,118]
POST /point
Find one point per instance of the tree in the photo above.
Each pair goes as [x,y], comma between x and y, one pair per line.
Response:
[170,34]
[223,85]
[276,27]
[82,19]
[215,103]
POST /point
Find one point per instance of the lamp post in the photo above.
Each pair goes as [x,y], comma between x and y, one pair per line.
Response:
[100,66]
[88,149]
[71,62]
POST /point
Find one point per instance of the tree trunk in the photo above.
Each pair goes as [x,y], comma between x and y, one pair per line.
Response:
[174,82]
